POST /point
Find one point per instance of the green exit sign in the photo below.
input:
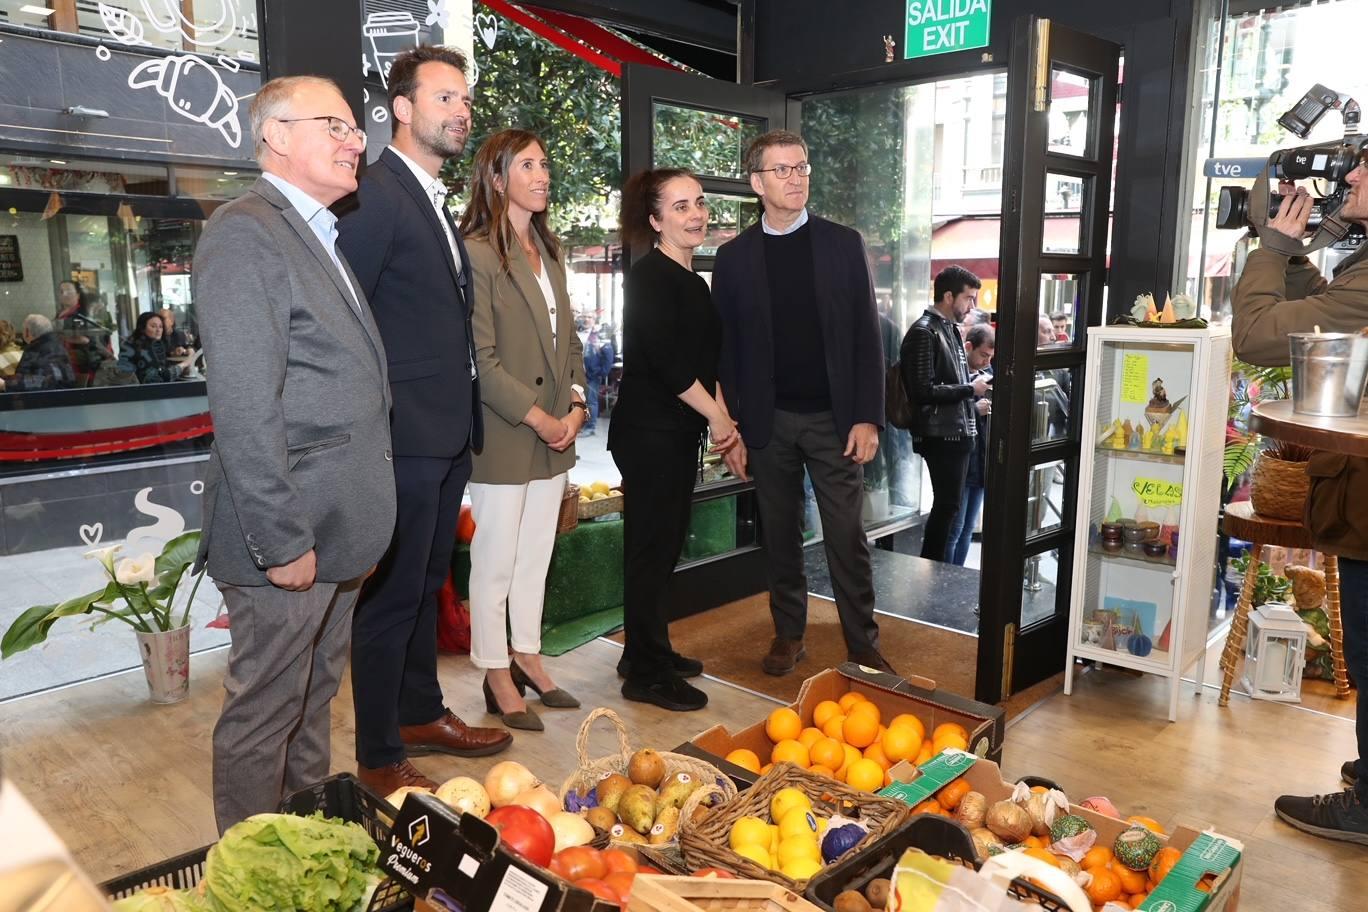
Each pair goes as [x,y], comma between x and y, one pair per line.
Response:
[944,26]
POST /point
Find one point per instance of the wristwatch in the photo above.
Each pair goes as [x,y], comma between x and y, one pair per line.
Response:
[576,404]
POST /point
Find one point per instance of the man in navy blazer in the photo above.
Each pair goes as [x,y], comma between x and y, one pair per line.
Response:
[803,374]
[407,253]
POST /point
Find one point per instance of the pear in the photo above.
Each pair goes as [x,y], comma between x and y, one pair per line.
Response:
[675,791]
[601,818]
[637,808]
[665,827]
[621,832]
[646,767]
[610,790]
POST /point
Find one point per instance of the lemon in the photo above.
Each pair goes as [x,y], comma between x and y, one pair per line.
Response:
[774,838]
[822,824]
[798,823]
[750,831]
[599,495]
[785,800]
[791,850]
[757,855]
[801,868]
[600,487]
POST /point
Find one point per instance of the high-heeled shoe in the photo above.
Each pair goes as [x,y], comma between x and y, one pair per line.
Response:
[525,719]
[556,698]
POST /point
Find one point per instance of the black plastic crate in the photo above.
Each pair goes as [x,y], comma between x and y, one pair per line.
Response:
[934,835]
[341,796]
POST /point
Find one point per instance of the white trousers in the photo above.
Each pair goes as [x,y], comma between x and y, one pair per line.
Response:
[515,530]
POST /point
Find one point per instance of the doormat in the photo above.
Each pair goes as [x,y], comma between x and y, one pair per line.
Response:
[558,639]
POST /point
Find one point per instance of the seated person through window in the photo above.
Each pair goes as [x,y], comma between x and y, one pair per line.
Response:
[45,364]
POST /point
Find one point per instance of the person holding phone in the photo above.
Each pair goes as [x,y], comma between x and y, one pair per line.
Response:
[979,345]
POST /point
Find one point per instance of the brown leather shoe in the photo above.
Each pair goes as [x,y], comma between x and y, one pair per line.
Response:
[449,735]
[873,659]
[386,779]
[784,654]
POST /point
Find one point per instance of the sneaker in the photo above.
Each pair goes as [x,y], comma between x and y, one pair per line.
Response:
[674,694]
[1348,773]
[1340,815]
[683,666]
[784,654]
[586,432]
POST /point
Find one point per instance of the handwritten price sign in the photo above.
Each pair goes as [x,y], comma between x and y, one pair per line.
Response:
[1154,492]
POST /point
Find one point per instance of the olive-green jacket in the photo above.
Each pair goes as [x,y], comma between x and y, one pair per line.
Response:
[1277,295]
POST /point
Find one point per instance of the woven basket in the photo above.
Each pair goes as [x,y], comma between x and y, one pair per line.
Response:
[707,843]
[1279,488]
[569,516]
[591,771]
[601,507]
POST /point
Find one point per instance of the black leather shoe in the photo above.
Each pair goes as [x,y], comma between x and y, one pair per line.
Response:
[683,666]
[783,656]
[1341,816]
[674,694]
[1348,773]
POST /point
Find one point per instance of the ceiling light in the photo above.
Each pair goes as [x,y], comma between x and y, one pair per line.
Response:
[36,10]
[230,174]
[56,161]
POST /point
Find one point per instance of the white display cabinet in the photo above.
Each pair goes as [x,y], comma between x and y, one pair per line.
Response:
[1150,471]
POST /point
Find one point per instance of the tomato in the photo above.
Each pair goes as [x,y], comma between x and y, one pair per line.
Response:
[621,882]
[465,526]
[617,860]
[714,872]
[579,862]
[600,889]
[524,831]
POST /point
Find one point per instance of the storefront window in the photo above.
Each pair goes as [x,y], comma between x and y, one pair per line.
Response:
[221,27]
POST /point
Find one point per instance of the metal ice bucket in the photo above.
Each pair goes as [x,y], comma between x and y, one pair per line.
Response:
[1328,373]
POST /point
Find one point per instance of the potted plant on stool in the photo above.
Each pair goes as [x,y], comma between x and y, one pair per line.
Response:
[145,587]
[1278,486]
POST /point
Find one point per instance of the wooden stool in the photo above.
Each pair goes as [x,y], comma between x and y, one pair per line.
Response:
[1242,522]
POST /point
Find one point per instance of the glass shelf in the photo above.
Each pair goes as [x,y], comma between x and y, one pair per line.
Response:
[1174,458]
[1167,563]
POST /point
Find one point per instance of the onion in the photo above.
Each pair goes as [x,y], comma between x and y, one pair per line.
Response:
[1008,821]
[540,799]
[508,779]
[571,830]
[465,795]
[972,810]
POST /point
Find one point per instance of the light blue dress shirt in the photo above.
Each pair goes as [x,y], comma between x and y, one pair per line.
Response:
[321,222]
[799,222]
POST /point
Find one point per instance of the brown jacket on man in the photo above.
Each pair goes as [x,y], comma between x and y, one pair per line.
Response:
[1277,295]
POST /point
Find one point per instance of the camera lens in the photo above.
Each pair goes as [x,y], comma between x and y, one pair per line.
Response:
[1232,208]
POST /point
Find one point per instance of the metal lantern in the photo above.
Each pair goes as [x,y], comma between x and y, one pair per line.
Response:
[1275,652]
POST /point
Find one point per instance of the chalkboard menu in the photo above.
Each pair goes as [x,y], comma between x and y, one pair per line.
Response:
[11,269]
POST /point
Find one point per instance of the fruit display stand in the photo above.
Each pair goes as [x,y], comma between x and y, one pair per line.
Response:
[693,894]
[1148,500]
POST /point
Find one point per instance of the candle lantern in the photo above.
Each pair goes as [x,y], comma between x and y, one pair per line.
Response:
[1275,653]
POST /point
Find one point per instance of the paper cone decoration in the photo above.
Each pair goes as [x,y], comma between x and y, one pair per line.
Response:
[126,216]
[1114,511]
[1163,644]
[54,205]
[1167,315]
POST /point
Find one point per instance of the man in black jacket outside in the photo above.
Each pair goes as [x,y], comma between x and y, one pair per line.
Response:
[935,374]
[45,364]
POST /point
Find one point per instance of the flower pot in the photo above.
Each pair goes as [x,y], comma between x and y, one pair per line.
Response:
[1278,488]
[166,662]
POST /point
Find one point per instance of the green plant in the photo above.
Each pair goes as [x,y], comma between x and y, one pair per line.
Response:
[1268,586]
[1254,385]
[146,586]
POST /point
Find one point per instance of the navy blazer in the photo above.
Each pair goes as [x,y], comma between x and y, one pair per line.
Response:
[850,329]
[393,241]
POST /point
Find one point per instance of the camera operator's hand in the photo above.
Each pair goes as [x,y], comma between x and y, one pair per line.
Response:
[1293,212]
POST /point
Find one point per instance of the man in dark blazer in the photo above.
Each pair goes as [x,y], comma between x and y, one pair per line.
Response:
[802,372]
[413,268]
[299,492]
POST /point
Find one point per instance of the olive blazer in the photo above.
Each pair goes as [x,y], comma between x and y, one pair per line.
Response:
[520,366]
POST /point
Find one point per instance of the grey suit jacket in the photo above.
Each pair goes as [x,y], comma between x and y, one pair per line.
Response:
[299,397]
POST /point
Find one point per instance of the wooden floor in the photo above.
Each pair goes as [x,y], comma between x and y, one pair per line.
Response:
[126,784]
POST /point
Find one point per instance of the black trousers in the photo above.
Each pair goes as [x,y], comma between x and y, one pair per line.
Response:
[947,462]
[394,631]
[810,441]
[658,469]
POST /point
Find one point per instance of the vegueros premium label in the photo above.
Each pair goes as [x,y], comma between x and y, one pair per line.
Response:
[944,26]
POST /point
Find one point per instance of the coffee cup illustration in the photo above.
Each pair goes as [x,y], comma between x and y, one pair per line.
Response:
[389,35]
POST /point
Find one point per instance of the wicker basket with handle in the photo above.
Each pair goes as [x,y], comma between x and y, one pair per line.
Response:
[707,842]
[593,509]
[1278,488]
[589,772]
[569,515]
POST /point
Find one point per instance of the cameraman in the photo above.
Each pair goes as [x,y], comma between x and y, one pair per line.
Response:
[1277,295]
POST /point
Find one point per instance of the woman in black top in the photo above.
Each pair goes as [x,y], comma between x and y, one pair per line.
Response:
[669,395]
[144,353]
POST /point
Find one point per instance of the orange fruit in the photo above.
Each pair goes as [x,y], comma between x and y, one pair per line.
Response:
[783,725]
[766,768]
[1163,863]
[883,730]
[859,729]
[911,721]
[1105,886]
[875,752]
[1137,899]
[924,754]
[900,743]
[745,759]
[948,740]
[953,792]
[950,727]
[929,806]
[824,711]
[850,699]
[888,778]
[827,752]
[834,726]
[1033,842]
[868,709]
[1098,856]
[1148,822]
[810,736]
[791,751]
[1043,855]
[865,775]
[851,755]
[821,770]
[1131,881]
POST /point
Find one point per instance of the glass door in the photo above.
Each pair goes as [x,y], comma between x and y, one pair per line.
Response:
[1061,107]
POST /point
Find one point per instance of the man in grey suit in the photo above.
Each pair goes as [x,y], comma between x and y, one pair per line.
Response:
[299,497]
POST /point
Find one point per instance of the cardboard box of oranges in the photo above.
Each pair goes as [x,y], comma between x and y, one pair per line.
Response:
[853,724]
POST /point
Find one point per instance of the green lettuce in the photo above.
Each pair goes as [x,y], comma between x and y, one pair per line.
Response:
[161,899]
[293,864]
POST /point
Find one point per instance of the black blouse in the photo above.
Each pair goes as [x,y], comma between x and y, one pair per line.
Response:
[672,336]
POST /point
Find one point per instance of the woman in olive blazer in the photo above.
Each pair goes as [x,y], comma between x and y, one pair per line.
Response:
[531,366]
